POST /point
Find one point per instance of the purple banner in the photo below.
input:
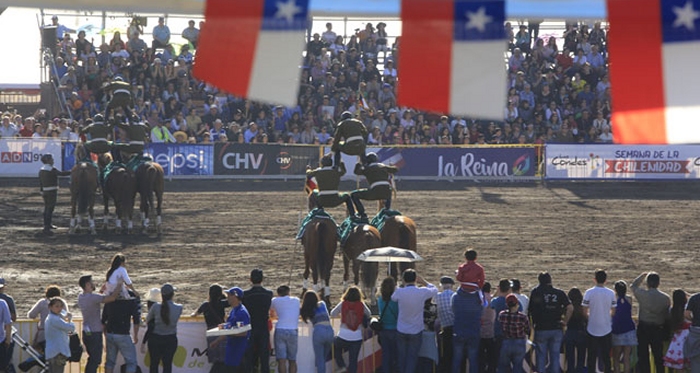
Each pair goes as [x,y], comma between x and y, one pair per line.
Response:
[460,162]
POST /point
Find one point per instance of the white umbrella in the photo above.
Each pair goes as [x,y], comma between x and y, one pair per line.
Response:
[389,254]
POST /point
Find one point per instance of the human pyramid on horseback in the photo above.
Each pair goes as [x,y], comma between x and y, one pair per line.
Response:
[123,169]
[356,233]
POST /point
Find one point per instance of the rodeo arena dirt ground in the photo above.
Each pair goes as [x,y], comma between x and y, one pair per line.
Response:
[218,230]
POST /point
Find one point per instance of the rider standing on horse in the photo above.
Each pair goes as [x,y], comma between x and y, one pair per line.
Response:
[97,136]
[328,180]
[121,96]
[377,175]
[48,184]
[354,133]
[137,133]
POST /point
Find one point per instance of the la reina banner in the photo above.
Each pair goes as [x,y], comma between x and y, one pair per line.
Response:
[639,162]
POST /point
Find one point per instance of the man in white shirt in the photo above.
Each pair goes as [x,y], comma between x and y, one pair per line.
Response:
[409,324]
[286,309]
[601,304]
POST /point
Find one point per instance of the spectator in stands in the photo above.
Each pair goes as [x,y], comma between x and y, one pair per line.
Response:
[329,36]
[515,62]
[161,34]
[8,129]
[522,39]
[313,47]
[60,29]
[191,34]
[161,134]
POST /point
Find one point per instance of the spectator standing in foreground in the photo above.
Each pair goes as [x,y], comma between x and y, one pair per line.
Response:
[547,307]
[286,309]
[653,313]
[116,319]
[352,311]
[90,303]
[575,336]
[389,312]
[691,348]
[601,304]
[411,299]
[488,355]
[516,329]
[315,310]
[446,318]
[5,335]
[236,344]
[163,343]
[257,301]
[58,326]
[40,311]
[214,312]
[468,308]
[624,336]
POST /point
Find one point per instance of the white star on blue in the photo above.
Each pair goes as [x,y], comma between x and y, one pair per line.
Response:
[285,15]
[677,17]
[479,20]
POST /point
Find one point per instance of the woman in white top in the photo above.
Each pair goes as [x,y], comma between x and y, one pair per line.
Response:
[352,311]
[117,272]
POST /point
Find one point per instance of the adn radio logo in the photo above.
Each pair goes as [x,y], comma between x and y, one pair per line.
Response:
[19,157]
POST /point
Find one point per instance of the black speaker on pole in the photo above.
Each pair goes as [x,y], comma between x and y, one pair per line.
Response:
[49,39]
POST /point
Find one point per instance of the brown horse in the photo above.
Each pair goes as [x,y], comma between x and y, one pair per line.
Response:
[150,180]
[361,238]
[82,189]
[320,243]
[120,185]
[400,231]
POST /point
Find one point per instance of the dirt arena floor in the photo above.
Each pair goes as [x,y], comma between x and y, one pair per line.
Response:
[217,231]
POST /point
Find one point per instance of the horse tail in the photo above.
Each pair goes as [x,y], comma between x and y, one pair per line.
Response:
[321,252]
[83,190]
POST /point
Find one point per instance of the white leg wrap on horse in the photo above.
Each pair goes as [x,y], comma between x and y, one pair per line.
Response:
[92,223]
[159,220]
[105,220]
[130,224]
[72,222]
[119,223]
[145,222]
[327,291]
[143,216]
[317,288]
[345,285]
[305,284]
[79,219]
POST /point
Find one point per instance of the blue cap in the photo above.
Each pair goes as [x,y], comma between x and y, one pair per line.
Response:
[238,292]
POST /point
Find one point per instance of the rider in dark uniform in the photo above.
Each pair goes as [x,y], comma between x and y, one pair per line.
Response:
[377,175]
[328,180]
[354,136]
[97,136]
[121,96]
[137,133]
[48,184]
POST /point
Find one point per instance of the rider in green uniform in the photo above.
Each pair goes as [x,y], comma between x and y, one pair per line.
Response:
[98,134]
[121,96]
[137,133]
[377,175]
[354,135]
[328,180]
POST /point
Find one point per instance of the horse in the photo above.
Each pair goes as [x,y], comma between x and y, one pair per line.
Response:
[320,243]
[120,185]
[150,180]
[361,238]
[82,189]
[400,231]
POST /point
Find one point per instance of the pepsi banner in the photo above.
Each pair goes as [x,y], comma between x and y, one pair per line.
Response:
[460,163]
[183,159]
[20,157]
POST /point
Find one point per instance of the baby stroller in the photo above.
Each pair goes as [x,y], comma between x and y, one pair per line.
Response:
[36,358]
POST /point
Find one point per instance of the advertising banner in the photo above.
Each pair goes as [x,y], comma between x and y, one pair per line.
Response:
[639,162]
[246,159]
[294,159]
[21,157]
[183,159]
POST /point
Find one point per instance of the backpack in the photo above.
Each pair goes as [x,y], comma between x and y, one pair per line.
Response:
[76,348]
[352,314]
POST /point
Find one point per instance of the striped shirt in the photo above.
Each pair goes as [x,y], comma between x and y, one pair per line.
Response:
[515,325]
[444,308]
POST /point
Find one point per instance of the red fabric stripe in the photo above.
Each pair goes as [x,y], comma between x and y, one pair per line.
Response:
[371,363]
[227,44]
[424,55]
[636,73]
